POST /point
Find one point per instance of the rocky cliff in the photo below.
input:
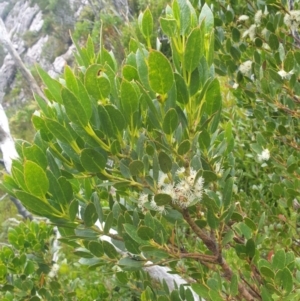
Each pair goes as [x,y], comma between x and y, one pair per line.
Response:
[40,34]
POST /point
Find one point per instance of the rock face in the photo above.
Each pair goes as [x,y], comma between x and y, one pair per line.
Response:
[26,24]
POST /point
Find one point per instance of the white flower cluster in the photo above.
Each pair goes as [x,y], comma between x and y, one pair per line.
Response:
[183,193]
[284,74]
[292,19]
[54,270]
[251,32]
[258,16]
[245,67]
[243,18]
[264,156]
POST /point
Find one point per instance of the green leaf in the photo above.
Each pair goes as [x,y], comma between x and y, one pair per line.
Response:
[169,26]
[162,199]
[204,139]
[36,154]
[208,17]
[228,237]
[116,117]
[90,215]
[212,220]
[130,73]
[227,192]
[92,160]
[193,47]
[184,15]
[128,263]
[73,210]
[278,261]
[136,167]
[200,289]
[35,179]
[267,272]
[105,121]
[273,41]
[161,77]
[129,98]
[287,281]
[146,23]
[71,80]
[250,248]
[132,232]
[184,147]
[170,122]
[59,131]
[109,249]
[289,62]
[74,109]
[96,248]
[90,49]
[266,296]
[108,222]
[91,81]
[213,97]
[165,162]
[145,233]
[209,176]
[236,35]
[96,202]
[182,93]
[36,205]
[53,85]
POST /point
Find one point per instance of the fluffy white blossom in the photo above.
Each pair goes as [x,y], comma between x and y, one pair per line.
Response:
[54,270]
[245,67]
[264,32]
[235,86]
[264,156]
[251,32]
[292,19]
[258,16]
[243,18]
[143,199]
[284,74]
[187,190]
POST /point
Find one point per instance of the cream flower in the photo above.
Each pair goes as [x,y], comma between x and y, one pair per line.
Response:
[245,67]
[258,16]
[264,156]
[292,19]
[243,18]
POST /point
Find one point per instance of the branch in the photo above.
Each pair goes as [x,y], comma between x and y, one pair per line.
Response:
[248,295]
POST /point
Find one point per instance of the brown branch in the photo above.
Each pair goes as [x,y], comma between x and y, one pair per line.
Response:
[245,292]
[248,295]
[201,257]
[208,241]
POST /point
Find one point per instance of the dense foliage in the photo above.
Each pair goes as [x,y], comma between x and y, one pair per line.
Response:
[156,161]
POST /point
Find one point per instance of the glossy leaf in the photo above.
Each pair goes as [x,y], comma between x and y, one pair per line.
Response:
[90,215]
[74,109]
[161,76]
[165,162]
[192,53]
[207,16]
[92,160]
[36,179]
[170,122]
